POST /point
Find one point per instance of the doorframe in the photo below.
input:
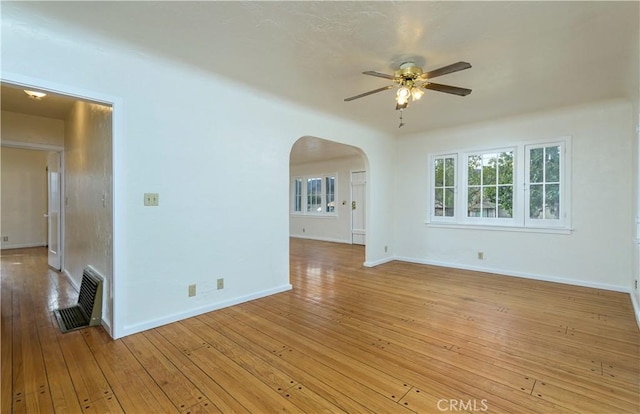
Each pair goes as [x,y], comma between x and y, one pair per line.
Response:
[365,203]
[118,190]
[47,148]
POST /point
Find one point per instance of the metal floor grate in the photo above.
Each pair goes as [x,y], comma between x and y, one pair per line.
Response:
[88,311]
[71,318]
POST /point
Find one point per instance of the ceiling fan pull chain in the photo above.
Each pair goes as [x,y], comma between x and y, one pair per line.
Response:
[401,123]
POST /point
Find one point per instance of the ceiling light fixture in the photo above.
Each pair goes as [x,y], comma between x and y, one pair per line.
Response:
[35,94]
[412,82]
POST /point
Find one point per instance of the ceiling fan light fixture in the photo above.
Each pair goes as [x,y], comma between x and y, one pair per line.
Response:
[403,94]
[35,94]
[416,93]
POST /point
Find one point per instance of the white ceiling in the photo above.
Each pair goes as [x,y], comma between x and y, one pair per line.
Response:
[526,56]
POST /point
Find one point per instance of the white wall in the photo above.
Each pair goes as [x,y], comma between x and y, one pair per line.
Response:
[88,202]
[599,250]
[179,137]
[24,198]
[329,228]
[31,129]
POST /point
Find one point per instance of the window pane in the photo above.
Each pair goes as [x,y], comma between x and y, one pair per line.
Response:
[552,164]
[314,197]
[448,202]
[489,168]
[449,172]
[552,202]
[505,201]
[297,194]
[474,169]
[474,209]
[489,202]
[330,197]
[439,172]
[438,208]
[505,168]
[536,162]
[535,201]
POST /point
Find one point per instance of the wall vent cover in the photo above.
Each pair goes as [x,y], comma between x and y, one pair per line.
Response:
[88,311]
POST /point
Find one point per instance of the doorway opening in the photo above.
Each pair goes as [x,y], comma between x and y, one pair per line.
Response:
[76,132]
[328,193]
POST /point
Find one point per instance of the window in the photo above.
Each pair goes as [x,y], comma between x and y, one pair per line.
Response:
[297,195]
[314,195]
[444,186]
[483,188]
[490,185]
[544,205]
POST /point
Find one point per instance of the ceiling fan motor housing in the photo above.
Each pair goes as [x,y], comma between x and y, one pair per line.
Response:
[408,70]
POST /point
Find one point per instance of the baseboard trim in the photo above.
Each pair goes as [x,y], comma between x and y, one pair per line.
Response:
[325,239]
[139,327]
[66,274]
[379,262]
[22,246]
[545,278]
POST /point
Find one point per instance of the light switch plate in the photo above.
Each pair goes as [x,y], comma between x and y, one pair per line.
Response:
[151,199]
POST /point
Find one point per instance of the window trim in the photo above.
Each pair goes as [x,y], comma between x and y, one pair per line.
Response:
[564,188]
[433,217]
[323,194]
[520,183]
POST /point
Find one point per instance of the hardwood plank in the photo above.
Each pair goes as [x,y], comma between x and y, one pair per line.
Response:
[218,396]
[182,392]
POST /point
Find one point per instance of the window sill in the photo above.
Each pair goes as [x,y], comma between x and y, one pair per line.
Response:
[548,230]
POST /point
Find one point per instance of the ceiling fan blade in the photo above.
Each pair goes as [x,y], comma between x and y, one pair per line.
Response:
[447,89]
[369,93]
[454,67]
[378,74]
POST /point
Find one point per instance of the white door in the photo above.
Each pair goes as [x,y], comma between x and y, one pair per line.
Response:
[54,189]
[358,222]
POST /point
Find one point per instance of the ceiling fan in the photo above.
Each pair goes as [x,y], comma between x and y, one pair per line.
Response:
[412,82]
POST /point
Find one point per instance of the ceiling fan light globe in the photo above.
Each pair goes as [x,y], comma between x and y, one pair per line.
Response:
[403,93]
[416,93]
[402,100]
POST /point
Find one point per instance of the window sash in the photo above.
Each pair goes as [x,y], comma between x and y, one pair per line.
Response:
[444,178]
[545,185]
[489,187]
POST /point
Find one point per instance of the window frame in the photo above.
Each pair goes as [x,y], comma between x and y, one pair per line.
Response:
[303,179]
[564,199]
[463,199]
[433,217]
[520,220]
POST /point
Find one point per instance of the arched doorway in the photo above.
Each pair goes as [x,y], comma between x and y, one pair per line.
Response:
[327,191]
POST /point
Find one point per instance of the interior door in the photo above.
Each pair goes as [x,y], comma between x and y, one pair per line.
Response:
[54,188]
[358,222]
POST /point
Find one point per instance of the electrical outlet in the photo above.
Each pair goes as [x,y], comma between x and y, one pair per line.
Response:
[192,290]
[220,284]
[151,199]
[5,238]
[480,255]
[386,249]
[636,284]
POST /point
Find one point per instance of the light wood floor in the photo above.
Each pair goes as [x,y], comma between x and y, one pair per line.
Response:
[398,338]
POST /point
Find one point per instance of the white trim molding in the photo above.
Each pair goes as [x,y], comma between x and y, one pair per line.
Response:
[139,327]
[524,275]
[30,145]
